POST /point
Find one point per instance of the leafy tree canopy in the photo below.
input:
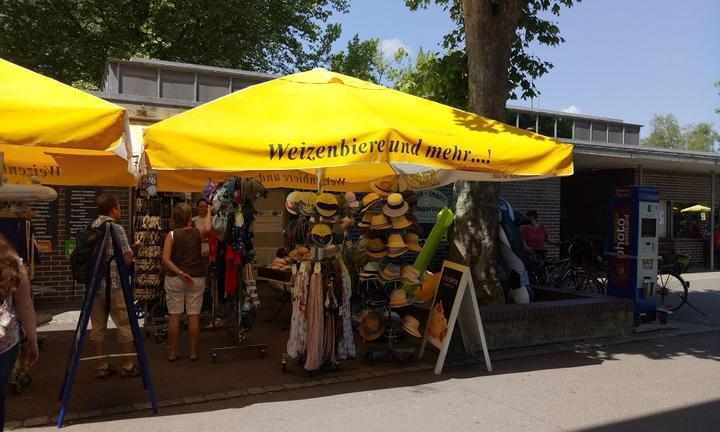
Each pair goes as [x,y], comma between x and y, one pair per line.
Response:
[450,69]
[70,40]
[666,132]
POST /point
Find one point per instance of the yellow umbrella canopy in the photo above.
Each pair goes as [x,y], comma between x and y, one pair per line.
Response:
[39,111]
[351,131]
[64,167]
[697,208]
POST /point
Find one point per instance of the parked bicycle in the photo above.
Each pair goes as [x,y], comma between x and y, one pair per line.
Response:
[564,273]
[671,290]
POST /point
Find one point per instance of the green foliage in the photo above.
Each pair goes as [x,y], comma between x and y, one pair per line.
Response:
[525,67]
[360,60]
[70,40]
[440,79]
[666,132]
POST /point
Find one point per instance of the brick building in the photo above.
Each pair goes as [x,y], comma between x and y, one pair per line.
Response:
[607,153]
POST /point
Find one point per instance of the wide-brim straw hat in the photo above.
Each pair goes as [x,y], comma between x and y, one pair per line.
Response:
[384,186]
[412,241]
[398,298]
[366,220]
[390,273]
[371,326]
[411,325]
[394,253]
[375,248]
[369,201]
[326,205]
[291,202]
[371,270]
[380,222]
[411,275]
[395,206]
[321,235]
[400,222]
[395,241]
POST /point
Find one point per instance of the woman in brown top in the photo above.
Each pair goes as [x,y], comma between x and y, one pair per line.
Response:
[184,279]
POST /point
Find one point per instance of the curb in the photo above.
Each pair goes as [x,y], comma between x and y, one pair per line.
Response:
[454,363]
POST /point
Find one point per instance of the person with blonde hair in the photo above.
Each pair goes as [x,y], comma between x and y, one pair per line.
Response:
[16,312]
[184,279]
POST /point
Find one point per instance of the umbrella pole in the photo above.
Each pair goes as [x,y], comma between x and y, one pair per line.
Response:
[712,220]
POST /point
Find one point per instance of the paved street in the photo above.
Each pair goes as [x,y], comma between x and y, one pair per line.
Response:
[665,384]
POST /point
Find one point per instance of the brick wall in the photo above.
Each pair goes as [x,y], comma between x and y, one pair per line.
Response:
[540,195]
[54,270]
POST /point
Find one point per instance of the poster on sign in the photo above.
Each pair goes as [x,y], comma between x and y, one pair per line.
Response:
[455,302]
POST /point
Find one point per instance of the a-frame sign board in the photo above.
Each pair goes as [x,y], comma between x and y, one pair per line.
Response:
[456,289]
[81,328]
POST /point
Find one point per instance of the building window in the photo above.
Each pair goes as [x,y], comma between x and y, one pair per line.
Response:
[564,128]
[582,130]
[546,126]
[615,134]
[693,223]
[527,121]
[632,135]
[599,132]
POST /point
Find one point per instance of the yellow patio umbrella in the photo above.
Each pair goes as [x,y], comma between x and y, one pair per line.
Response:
[697,208]
[38,111]
[64,167]
[350,132]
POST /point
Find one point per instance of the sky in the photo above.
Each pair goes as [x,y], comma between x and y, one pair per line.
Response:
[623,59]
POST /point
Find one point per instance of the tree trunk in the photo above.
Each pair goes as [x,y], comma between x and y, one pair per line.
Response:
[490,27]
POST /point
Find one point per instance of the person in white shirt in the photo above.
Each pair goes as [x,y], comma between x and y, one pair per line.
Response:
[203,222]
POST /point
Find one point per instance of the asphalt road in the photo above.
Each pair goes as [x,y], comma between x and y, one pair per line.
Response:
[668,384]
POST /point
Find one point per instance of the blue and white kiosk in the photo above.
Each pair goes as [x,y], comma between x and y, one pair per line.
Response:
[634,244]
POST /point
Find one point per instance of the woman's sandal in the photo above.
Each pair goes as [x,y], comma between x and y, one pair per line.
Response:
[175,357]
[130,373]
[106,372]
[196,358]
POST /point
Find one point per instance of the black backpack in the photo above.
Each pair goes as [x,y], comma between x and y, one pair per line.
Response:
[82,258]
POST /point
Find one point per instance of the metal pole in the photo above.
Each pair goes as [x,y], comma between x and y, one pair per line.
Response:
[712,220]
[640,175]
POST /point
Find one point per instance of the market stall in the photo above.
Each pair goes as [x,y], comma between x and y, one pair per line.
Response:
[319,132]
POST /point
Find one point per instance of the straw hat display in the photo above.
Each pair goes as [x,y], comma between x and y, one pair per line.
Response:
[400,222]
[391,273]
[395,206]
[370,271]
[412,241]
[384,186]
[321,235]
[375,248]
[425,292]
[396,245]
[371,326]
[398,298]
[369,201]
[379,222]
[411,325]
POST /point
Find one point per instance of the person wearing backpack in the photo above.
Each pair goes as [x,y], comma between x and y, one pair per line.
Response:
[108,207]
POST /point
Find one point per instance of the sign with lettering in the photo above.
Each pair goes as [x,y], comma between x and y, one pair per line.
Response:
[455,303]
[45,224]
[80,210]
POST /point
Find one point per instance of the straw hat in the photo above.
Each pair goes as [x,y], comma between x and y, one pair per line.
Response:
[379,222]
[412,241]
[326,205]
[396,246]
[396,206]
[291,202]
[411,275]
[398,298]
[390,273]
[321,235]
[306,203]
[371,326]
[300,254]
[411,325]
[425,292]
[400,222]
[375,248]
[369,201]
[352,201]
[370,271]
[366,220]
[384,186]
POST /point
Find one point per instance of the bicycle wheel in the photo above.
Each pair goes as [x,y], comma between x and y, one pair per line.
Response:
[671,291]
[578,281]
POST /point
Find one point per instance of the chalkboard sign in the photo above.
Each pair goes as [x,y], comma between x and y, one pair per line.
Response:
[80,210]
[45,224]
[455,303]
